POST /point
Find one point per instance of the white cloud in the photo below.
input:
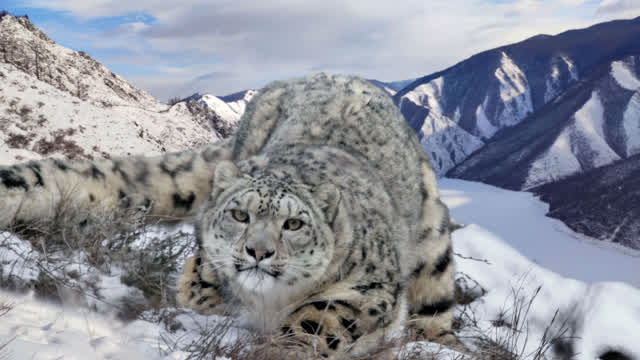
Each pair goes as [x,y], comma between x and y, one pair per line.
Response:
[627,8]
[252,42]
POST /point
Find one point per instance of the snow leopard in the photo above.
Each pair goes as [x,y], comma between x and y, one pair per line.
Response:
[319,219]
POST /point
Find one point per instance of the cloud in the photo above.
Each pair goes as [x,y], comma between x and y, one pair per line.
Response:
[620,7]
[253,42]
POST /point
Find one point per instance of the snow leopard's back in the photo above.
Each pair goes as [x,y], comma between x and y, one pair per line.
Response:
[344,112]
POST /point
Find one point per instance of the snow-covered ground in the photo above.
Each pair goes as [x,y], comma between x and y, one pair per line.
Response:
[43,331]
[518,218]
[39,120]
[508,246]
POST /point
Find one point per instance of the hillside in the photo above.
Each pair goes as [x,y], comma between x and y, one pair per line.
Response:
[459,109]
[592,124]
[58,102]
[601,203]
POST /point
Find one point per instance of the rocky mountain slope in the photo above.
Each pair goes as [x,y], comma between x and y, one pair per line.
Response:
[76,73]
[592,124]
[58,102]
[39,120]
[603,203]
[460,109]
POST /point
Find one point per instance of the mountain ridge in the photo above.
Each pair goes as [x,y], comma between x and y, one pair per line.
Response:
[498,88]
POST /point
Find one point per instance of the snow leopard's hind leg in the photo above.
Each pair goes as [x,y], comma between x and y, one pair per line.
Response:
[431,284]
[171,185]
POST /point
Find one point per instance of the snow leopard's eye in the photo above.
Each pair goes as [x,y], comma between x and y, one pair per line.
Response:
[240,216]
[292,224]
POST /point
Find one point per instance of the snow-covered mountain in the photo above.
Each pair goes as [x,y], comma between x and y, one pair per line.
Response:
[229,107]
[76,73]
[58,102]
[467,104]
[592,124]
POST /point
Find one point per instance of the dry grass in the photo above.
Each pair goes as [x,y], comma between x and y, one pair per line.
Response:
[222,340]
[60,144]
[71,251]
[510,337]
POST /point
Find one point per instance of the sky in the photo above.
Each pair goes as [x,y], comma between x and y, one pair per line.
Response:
[176,48]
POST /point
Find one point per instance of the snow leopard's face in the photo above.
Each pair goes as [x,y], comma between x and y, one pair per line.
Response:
[265,235]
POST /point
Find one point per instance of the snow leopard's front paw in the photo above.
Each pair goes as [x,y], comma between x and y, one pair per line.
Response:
[196,290]
[329,328]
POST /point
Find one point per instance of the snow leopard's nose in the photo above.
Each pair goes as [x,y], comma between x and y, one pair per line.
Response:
[259,254]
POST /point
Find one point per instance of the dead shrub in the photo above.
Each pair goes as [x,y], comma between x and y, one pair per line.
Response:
[19,141]
[73,249]
[59,143]
[510,335]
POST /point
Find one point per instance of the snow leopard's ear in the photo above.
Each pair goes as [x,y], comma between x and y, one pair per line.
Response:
[225,174]
[328,198]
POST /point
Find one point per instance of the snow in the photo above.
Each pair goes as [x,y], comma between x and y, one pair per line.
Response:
[514,93]
[589,124]
[457,116]
[573,70]
[556,162]
[555,73]
[484,126]
[46,331]
[429,94]
[624,76]
[442,139]
[239,106]
[446,143]
[15,259]
[389,91]
[581,145]
[221,107]
[509,246]
[554,85]
[631,125]
[519,219]
[231,111]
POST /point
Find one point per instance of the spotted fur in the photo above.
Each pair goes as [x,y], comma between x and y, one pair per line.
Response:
[319,219]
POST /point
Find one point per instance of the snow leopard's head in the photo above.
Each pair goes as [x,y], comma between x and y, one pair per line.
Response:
[265,234]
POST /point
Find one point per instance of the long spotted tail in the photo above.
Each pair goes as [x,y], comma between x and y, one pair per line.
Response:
[172,185]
